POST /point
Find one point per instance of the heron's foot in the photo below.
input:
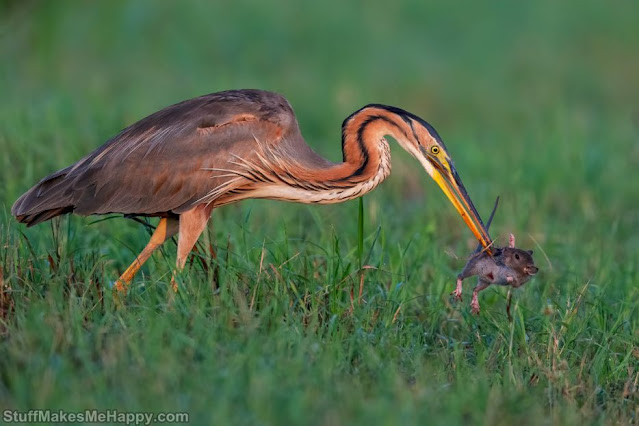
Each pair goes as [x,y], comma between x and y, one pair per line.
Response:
[457,293]
[474,305]
[123,283]
[121,286]
[174,284]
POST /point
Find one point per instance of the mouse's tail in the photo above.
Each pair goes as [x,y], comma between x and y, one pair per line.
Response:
[490,219]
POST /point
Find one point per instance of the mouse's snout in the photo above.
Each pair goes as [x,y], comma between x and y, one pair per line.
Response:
[531,270]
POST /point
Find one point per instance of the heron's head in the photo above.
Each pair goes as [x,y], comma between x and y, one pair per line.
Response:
[423,142]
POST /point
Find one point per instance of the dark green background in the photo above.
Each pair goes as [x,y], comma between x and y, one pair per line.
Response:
[536,101]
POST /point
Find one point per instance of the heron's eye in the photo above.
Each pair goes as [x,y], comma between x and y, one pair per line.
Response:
[434,150]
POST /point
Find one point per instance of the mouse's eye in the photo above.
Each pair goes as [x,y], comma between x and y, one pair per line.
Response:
[517,256]
[434,150]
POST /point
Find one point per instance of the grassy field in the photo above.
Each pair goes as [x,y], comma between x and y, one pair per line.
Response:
[537,102]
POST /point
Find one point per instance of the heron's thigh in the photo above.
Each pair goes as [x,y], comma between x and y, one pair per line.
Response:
[192,223]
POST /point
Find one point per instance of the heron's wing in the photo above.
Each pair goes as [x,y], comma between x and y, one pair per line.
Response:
[167,162]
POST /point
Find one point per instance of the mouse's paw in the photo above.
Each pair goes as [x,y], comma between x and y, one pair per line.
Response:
[457,294]
[474,305]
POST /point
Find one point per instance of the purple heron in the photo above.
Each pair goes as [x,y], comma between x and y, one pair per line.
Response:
[183,161]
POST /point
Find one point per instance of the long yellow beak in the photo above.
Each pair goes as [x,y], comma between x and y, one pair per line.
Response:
[446,176]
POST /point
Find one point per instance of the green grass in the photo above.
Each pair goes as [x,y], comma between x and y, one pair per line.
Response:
[537,102]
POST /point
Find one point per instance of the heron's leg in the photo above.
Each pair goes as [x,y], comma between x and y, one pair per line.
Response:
[192,223]
[165,230]
[474,303]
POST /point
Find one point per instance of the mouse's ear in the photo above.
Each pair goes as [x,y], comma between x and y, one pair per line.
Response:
[529,252]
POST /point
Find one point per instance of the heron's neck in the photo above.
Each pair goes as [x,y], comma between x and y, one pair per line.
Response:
[366,162]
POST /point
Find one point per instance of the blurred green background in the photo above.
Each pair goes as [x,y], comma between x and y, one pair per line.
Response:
[536,101]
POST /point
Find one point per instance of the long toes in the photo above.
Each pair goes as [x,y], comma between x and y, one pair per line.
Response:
[457,295]
[174,284]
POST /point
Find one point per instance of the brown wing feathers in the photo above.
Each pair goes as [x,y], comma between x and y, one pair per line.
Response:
[159,165]
[44,201]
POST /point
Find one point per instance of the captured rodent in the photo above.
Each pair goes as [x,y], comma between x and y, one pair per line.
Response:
[507,266]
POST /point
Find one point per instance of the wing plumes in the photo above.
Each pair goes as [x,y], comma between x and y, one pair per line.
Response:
[223,188]
[270,166]
[49,198]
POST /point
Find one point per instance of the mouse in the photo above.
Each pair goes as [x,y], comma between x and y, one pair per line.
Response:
[508,266]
